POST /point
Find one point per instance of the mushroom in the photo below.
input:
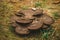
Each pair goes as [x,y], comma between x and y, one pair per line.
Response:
[47,19]
[26,20]
[36,25]
[21,30]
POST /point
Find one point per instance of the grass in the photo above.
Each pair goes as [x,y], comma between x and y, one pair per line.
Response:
[24,7]
[44,0]
[47,32]
[56,15]
[6,30]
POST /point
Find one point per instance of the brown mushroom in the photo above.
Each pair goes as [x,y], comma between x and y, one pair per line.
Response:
[47,19]
[36,25]
[21,30]
[26,20]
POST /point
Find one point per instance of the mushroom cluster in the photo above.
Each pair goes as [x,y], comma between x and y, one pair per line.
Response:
[31,19]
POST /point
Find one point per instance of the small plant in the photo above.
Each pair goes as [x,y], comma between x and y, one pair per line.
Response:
[38,4]
[56,15]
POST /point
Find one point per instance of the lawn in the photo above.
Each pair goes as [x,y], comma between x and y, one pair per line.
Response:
[9,7]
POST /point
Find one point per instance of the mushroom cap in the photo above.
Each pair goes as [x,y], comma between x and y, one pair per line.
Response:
[23,21]
[21,30]
[36,25]
[47,19]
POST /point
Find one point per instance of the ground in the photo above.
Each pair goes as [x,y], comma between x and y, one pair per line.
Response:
[9,7]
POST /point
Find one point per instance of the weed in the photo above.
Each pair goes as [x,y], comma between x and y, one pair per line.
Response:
[38,4]
[56,15]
